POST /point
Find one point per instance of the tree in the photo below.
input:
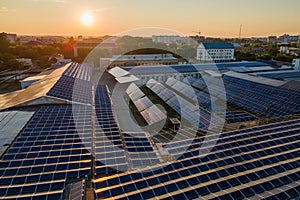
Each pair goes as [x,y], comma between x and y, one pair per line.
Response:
[4,43]
[8,61]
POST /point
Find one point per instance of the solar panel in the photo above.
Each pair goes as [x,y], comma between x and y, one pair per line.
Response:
[74,84]
[244,164]
[270,101]
[109,151]
[143,103]
[139,150]
[186,109]
[153,115]
[150,112]
[48,150]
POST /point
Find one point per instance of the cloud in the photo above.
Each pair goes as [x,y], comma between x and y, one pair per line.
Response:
[4,9]
[55,1]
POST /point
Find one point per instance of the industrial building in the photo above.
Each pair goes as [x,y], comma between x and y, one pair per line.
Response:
[62,137]
[161,73]
[137,60]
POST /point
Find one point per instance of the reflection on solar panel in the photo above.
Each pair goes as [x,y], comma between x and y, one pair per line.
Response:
[77,190]
[249,163]
[153,115]
[198,118]
[50,149]
[140,151]
[204,100]
[270,101]
[150,112]
[109,151]
[74,84]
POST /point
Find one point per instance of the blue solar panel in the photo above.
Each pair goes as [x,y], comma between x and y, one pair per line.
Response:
[74,85]
[267,155]
[49,148]
[109,152]
[272,102]
[140,151]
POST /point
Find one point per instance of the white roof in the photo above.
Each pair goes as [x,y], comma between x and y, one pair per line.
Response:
[262,80]
[33,78]
[118,72]
[127,79]
[213,73]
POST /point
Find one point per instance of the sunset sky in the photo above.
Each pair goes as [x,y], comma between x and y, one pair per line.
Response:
[220,18]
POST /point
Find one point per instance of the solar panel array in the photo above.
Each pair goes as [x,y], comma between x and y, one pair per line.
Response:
[270,101]
[150,112]
[198,118]
[109,150]
[205,101]
[50,149]
[139,149]
[256,163]
[281,75]
[187,68]
[74,84]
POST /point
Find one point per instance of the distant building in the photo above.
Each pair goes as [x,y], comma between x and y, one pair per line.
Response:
[25,61]
[284,48]
[208,52]
[294,38]
[167,39]
[296,64]
[139,59]
[162,73]
[92,43]
[272,39]
[11,37]
[285,38]
[63,61]
[262,39]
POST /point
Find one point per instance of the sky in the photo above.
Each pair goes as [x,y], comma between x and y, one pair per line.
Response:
[215,18]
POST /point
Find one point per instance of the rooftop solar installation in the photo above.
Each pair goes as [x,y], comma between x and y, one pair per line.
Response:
[109,151]
[118,72]
[281,75]
[150,112]
[11,123]
[187,68]
[127,79]
[48,150]
[187,110]
[74,85]
[248,163]
[204,100]
[153,115]
[270,101]
[67,148]
[140,151]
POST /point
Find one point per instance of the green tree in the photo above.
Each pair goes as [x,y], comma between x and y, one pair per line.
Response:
[4,43]
[8,61]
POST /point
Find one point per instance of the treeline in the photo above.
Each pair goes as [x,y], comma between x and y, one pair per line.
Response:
[39,54]
[251,56]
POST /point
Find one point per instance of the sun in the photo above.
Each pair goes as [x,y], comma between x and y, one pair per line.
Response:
[87,19]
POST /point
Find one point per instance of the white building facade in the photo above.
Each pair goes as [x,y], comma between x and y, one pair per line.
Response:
[296,63]
[209,52]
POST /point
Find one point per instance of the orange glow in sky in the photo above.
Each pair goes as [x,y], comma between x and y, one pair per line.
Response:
[221,18]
